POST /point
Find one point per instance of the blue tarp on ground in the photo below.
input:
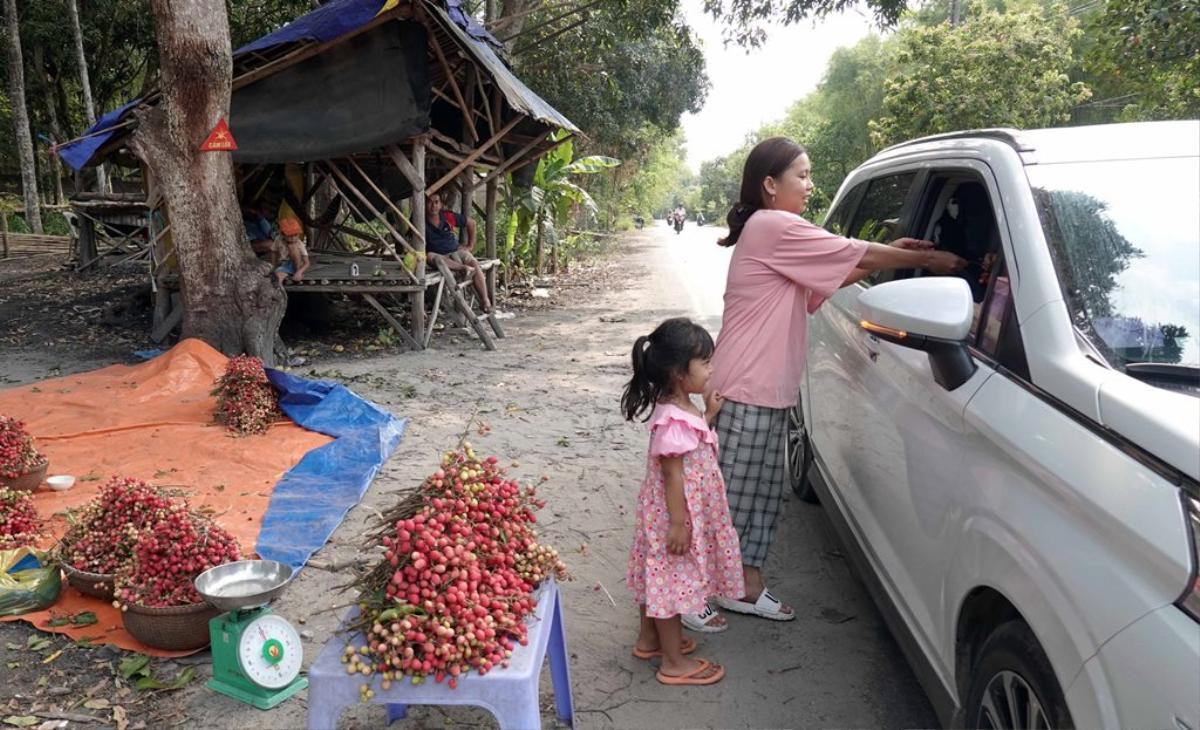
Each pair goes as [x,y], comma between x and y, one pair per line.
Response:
[311,500]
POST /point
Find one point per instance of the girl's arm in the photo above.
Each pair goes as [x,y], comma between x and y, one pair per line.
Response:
[712,405]
[679,537]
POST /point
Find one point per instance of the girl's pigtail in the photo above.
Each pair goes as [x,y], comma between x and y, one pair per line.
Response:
[639,392]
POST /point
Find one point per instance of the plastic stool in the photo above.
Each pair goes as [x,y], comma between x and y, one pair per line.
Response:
[510,694]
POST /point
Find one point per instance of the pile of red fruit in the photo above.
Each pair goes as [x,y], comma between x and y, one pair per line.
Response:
[246,402]
[168,557]
[19,524]
[152,543]
[102,536]
[456,583]
[17,455]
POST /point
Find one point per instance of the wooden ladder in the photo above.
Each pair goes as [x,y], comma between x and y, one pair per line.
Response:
[459,302]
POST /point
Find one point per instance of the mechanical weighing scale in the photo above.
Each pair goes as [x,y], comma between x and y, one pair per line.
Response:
[256,653]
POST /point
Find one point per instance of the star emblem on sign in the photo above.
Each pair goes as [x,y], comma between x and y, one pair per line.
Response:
[220,139]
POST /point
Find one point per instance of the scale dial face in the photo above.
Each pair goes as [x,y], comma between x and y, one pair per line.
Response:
[270,652]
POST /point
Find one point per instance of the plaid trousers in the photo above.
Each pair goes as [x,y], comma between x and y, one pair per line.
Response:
[751,451]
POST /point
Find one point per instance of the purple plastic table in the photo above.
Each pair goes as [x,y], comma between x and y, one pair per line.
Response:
[510,694]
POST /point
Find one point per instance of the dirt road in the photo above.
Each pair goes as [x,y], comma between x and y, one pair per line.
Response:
[549,396]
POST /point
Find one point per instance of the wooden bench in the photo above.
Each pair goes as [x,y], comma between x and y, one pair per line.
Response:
[329,273]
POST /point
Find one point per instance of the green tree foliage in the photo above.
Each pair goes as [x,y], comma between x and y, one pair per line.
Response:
[543,208]
[746,20]
[1152,49]
[657,181]
[1009,69]
[831,122]
[625,76]
[624,72]
[118,38]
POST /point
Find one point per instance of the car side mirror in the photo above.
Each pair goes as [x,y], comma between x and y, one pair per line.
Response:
[930,313]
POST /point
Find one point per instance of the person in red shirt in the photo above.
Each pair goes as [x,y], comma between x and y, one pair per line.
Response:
[441,239]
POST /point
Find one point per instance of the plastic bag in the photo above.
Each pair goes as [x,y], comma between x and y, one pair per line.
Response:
[28,581]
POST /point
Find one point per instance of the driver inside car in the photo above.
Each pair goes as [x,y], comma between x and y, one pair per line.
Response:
[967,228]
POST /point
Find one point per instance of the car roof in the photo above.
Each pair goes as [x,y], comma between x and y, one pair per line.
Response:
[1132,141]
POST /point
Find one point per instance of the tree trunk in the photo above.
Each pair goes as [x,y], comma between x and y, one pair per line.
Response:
[89,108]
[513,17]
[229,298]
[46,87]
[16,96]
[537,251]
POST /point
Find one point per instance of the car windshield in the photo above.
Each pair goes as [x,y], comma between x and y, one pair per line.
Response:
[1125,237]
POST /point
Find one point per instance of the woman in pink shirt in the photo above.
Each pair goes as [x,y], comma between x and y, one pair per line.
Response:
[781,271]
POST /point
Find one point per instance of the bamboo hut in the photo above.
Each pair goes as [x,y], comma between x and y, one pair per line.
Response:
[351,115]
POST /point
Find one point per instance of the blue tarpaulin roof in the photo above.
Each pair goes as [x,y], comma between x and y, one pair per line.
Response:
[77,153]
[327,22]
[334,20]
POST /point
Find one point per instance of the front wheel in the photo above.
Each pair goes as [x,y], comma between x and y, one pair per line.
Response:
[1013,685]
[798,456]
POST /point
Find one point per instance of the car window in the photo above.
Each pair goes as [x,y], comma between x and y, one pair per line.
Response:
[838,218]
[996,332]
[878,216]
[1125,239]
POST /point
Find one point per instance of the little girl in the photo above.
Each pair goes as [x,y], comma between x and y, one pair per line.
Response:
[685,547]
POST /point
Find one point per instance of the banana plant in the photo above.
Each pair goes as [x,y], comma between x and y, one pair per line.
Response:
[549,200]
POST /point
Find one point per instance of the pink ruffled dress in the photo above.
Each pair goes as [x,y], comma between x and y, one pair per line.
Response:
[675,584]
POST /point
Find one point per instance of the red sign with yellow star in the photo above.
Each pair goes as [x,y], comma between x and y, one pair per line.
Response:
[219,140]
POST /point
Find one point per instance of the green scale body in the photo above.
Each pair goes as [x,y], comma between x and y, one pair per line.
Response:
[256,657]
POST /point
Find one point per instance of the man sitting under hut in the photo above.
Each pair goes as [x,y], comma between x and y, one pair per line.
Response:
[441,239]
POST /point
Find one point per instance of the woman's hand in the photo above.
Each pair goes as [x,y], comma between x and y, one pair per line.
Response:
[913,244]
[943,262]
[712,405]
[679,538]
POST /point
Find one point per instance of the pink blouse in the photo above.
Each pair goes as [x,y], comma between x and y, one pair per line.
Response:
[782,269]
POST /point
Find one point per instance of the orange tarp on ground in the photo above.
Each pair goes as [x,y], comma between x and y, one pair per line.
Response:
[152,421]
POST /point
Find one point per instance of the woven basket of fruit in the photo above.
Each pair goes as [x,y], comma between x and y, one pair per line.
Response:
[22,468]
[175,628]
[92,584]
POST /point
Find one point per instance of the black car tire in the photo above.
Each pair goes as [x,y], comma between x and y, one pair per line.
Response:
[1013,677]
[798,456]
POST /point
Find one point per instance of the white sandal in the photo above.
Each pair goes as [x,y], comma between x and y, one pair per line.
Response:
[767,606]
[701,621]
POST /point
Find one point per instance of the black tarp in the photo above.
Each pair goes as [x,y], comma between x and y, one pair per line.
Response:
[369,91]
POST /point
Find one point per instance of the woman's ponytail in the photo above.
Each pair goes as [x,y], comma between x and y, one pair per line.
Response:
[769,158]
[736,220]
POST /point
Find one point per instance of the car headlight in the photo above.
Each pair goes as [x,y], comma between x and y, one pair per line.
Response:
[1190,600]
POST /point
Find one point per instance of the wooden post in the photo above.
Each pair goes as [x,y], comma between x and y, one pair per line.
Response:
[418,205]
[4,230]
[489,235]
[87,243]
[467,186]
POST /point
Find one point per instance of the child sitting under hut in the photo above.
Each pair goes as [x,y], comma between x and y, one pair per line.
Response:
[296,262]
